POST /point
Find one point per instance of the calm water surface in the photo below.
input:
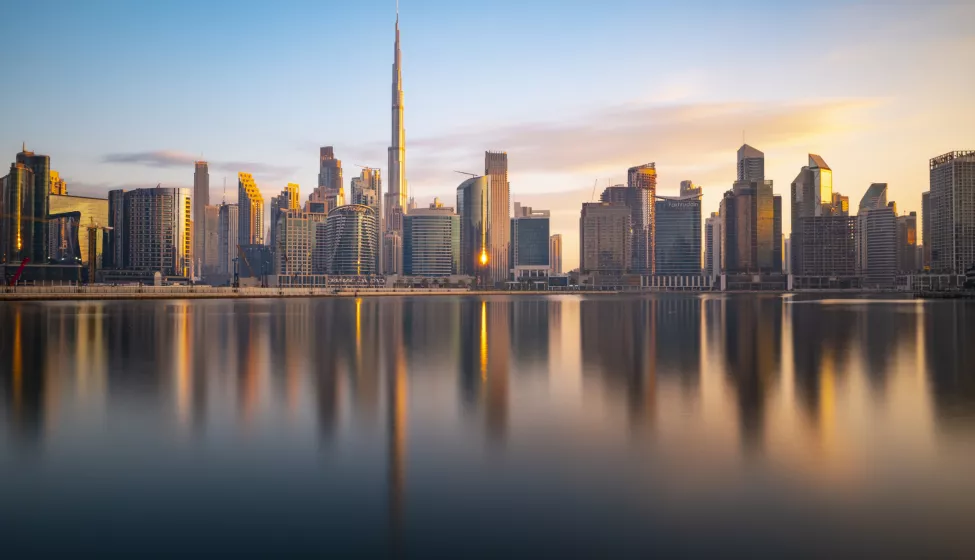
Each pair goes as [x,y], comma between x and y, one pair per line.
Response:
[467,427]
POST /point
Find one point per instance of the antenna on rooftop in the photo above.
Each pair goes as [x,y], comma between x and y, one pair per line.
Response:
[224,201]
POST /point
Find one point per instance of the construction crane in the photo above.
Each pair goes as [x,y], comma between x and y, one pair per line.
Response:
[93,229]
[593,197]
[20,270]
[466,173]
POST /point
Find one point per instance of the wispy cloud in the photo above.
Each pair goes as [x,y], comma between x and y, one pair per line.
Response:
[175,159]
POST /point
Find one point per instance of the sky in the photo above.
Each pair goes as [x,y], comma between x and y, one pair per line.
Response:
[125,94]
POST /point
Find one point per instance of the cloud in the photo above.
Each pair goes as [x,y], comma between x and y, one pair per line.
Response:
[176,159]
[682,135]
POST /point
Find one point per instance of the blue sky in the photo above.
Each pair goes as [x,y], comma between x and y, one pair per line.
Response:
[125,93]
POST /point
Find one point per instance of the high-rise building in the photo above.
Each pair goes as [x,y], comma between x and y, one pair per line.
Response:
[829,247]
[952,203]
[841,205]
[879,246]
[367,190]
[812,197]
[688,189]
[926,230]
[678,234]
[250,211]
[330,183]
[228,237]
[158,230]
[496,170]
[907,244]
[643,178]
[874,198]
[529,255]
[749,223]
[397,149]
[58,186]
[712,246]
[474,207]
[751,164]
[284,202]
[201,199]
[555,253]
[26,192]
[90,211]
[350,240]
[431,241]
[298,243]
[211,244]
[605,239]
[392,252]
[117,251]
[777,234]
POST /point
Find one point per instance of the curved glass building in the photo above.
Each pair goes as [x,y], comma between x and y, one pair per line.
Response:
[473,206]
[351,237]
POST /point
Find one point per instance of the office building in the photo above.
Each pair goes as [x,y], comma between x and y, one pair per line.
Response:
[712,246]
[431,241]
[228,221]
[201,199]
[58,186]
[211,244]
[907,244]
[926,230]
[777,234]
[879,246]
[605,239]
[116,250]
[952,204]
[751,164]
[392,253]
[689,189]
[643,180]
[555,253]
[678,234]
[350,240]
[829,250]
[874,198]
[158,230]
[330,182]
[298,243]
[284,202]
[250,211]
[529,255]
[496,170]
[841,205]
[90,211]
[26,192]
[749,224]
[812,197]
[367,190]
[474,207]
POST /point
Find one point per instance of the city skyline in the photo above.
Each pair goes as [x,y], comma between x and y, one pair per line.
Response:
[554,153]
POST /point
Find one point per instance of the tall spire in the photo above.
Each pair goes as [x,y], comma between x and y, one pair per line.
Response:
[397,149]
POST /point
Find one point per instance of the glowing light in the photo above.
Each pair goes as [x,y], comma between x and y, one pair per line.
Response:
[484,257]
[484,337]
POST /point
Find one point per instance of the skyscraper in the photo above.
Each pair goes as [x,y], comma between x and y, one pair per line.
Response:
[431,241]
[555,253]
[228,238]
[250,211]
[678,235]
[201,199]
[605,239]
[395,203]
[117,252]
[297,243]
[330,183]
[874,198]
[157,226]
[952,212]
[26,192]
[474,206]
[529,255]
[750,220]
[496,170]
[879,247]
[90,210]
[211,244]
[751,164]
[350,240]
[367,190]
[812,197]
[926,229]
[907,244]
[712,246]
[643,178]
[287,200]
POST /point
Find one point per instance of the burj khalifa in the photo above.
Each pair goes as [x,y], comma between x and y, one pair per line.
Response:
[395,201]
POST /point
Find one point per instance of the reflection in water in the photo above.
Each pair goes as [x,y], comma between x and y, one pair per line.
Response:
[813,400]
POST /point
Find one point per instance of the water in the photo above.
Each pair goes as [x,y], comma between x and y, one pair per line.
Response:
[602,426]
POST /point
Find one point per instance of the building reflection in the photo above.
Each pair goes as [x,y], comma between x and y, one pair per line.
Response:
[529,332]
[23,347]
[752,327]
[619,344]
[823,337]
[949,332]
[485,354]
[678,339]
[397,403]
